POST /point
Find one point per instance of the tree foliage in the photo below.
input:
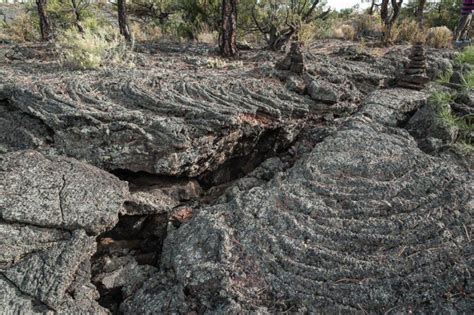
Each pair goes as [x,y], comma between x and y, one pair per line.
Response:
[272,23]
[280,20]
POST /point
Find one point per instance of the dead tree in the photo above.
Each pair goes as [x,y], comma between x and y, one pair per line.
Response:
[278,29]
[45,24]
[123,19]
[420,13]
[389,16]
[228,34]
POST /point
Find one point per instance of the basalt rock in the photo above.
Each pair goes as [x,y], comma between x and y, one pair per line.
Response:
[177,123]
[153,123]
[415,72]
[50,209]
[294,60]
[365,221]
[58,192]
[427,123]
[244,194]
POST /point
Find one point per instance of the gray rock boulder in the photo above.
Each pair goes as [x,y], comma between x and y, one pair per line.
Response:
[426,122]
[323,91]
[365,220]
[51,209]
[19,131]
[58,192]
[392,107]
[159,123]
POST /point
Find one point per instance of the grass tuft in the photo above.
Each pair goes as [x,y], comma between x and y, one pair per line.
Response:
[441,102]
[94,49]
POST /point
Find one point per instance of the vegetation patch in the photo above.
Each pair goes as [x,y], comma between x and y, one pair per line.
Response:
[94,49]
[441,102]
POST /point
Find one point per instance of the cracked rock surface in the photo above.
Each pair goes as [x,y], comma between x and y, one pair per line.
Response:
[179,188]
[58,192]
[365,221]
[50,210]
[177,117]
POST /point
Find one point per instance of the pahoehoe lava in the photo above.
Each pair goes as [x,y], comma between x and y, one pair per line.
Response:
[234,190]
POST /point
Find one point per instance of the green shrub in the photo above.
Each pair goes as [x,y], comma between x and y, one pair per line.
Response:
[61,12]
[442,13]
[466,56]
[470,80]
[323,28]
[367,25]
[441,102]
[147,32]
[445,77]
[93,49]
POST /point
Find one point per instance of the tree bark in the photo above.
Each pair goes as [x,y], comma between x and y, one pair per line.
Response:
[372,7]
[389,17]
[420,13]
[45,25]
[123,19]
[77,15]
[228,35]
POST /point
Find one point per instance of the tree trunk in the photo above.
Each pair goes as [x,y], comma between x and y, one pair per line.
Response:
[45,25]
[77,15]
[372,7]
[277,40]
[123,20]
[228,36]
[389,17]
[419,13]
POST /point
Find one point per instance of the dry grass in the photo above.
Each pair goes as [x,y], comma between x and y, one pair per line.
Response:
[93,49]
[218,63]
[208,38]
[345,31]
[409,31]
[20,29]
[439,37]
[307,33]
[142,32]
[365,24]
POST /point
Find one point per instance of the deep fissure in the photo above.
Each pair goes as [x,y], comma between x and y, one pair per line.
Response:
[142,236]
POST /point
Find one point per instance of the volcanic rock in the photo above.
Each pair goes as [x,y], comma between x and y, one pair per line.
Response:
[244,195]
[323,91]
[50,208]
[366,218]
[294,60]
[427,123]
[415,72]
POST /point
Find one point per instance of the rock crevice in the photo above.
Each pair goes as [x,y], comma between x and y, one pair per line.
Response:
[231,190]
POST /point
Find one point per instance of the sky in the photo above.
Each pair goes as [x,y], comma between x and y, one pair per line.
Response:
[341,4]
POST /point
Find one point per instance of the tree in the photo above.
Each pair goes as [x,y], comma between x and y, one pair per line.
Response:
[123,19]
[77,7]
[45,24]
[389,16]
[152,11]
[279,21]
[373,5]
[201,15]
[228,33]
[420,13]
